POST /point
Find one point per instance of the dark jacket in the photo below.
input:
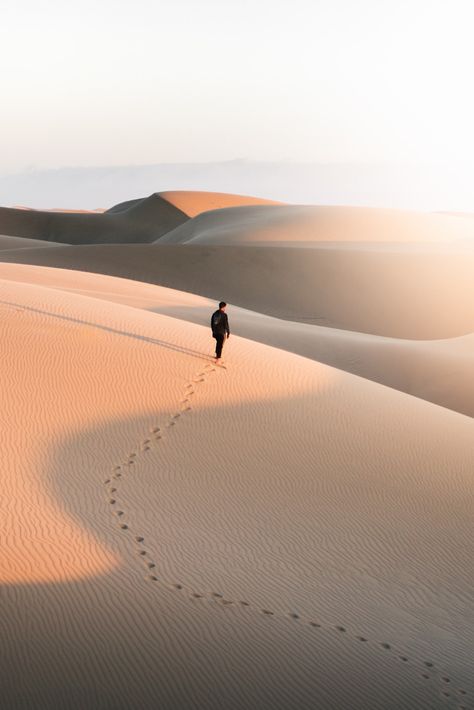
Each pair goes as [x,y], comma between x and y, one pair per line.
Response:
[219,323]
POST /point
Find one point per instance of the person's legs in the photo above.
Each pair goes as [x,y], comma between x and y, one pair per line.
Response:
[219,345]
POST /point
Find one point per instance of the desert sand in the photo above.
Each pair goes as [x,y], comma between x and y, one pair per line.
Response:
[414,293]
[440,371]
[193,203]
[142,221]
[284,530]
[13,243]
[294,225]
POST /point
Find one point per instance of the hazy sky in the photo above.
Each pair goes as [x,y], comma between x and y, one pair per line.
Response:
[113,82]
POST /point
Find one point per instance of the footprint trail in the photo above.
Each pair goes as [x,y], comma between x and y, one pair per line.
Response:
[426,668]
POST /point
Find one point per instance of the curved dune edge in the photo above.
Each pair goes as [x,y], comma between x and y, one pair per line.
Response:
[295,224]
[193,202]
[425,295]
[440,371]
[12,243]
[137,221]
[302,439]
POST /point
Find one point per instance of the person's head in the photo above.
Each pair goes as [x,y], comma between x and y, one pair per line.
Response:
[222,305]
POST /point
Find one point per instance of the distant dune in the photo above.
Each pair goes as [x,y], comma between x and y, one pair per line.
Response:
[63,211]
[272,534]
[292,224]
[193,202]
[144,221]
[135,221]
[7,242]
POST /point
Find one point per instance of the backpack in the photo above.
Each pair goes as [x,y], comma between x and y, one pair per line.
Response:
[217,321]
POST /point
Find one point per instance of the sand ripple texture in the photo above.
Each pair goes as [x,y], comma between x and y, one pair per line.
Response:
[440,371]
[273,533]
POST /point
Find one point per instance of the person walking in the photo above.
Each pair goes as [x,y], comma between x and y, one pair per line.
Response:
[220,328]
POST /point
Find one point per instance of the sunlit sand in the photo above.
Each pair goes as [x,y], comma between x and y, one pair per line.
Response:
[292,528]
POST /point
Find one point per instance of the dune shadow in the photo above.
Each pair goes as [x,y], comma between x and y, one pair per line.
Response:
[124,639]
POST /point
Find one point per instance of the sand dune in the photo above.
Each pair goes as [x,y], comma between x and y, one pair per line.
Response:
[7,242]
[294,224]
[143,221]
[440,371]
[420,293]
[274,534]
[64,211]
[194,202]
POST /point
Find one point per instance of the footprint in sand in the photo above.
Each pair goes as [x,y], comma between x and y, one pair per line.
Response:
[119,513]
[124,527]
[315,624]
[155,430]
[151,565]
[267,612]
[292,615]
[386,645]
[139,538]
[176,416]
[341,628]
[112,501]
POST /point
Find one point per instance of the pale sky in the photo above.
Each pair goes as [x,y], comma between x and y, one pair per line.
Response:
[151,81]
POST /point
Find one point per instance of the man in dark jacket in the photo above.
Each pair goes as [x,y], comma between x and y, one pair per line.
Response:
[220,328]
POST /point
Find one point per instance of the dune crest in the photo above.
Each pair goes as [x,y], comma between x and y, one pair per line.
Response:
[398,293]
[440,371]
[295,225]
[141,220]
[274,503]
[193,202]
[270,532]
